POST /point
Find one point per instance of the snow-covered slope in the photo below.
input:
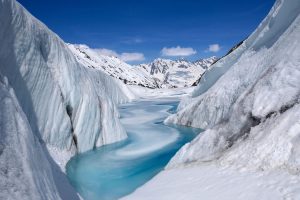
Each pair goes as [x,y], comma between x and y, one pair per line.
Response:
[161,73]
[178,73]
[112,66]
[249,101]
[69,105]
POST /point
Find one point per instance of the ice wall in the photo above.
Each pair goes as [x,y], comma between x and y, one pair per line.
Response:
[25,171]
[70,106]
[249,104]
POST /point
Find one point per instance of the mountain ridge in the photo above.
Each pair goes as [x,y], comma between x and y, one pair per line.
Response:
[161,73]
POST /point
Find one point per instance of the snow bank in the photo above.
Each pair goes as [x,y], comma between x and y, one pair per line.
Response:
[70,106]
[211,182]
[249,101]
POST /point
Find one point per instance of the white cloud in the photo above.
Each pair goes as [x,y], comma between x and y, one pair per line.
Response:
[214,48]
[178,51]
[126,57]
[107,52]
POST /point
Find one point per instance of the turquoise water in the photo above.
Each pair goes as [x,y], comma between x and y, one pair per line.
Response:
[115,170]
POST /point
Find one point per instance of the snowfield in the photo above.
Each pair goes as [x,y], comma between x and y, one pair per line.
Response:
[212,182]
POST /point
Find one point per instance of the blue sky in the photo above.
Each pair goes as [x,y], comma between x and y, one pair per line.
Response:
[152,28]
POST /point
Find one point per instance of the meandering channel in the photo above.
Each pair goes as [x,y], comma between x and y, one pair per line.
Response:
[115,170]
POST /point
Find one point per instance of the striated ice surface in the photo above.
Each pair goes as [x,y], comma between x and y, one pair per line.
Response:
[70,106]
[50,108]
[26,170]
[249,102]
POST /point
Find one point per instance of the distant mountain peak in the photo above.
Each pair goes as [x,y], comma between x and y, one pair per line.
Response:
[160,73]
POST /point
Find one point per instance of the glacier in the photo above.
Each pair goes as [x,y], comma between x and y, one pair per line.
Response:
[26,169]
[249,101]
[70,106]
[51,107]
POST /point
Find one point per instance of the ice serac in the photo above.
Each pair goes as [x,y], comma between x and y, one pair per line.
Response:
[70,106]
[249,102]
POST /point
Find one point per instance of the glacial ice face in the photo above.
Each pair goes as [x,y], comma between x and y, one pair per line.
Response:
[70,106]
[251,109]
[24,170]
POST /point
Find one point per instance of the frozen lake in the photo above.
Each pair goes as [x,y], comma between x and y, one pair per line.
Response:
[115,170]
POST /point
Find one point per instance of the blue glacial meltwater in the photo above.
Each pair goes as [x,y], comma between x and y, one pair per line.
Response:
[116,170]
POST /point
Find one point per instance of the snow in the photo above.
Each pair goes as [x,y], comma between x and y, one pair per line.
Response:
[251,111]
[214,183]
[112,66]
[161,73]
[178,73]
[60,156]
[146,93]
[69,105]
[26,171]
[249,105]
[206,63]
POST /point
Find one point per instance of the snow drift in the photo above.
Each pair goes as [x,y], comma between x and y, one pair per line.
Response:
[70,106]
[249,100]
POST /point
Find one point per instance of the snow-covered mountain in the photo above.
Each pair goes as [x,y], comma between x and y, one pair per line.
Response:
[249,101]
[161,73]
[112,66]
[206,62]
[48,98]
[178,73]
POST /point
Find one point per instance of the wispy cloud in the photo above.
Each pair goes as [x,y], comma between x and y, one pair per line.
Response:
[129,57]
[178,51]
[126,57]
[107,52]
[214,48]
